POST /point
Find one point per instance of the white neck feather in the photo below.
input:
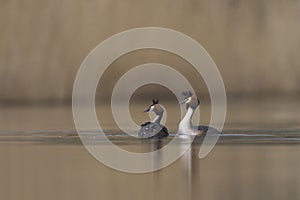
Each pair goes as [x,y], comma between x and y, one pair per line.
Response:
[185,126]
[157,119]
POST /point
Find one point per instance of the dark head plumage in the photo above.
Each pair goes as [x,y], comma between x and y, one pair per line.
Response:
[155,101]
[190,99]
[187,94]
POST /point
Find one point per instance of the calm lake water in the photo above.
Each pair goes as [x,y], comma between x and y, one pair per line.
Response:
[257,157]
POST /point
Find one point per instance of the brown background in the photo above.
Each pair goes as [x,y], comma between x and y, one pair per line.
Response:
[42,43]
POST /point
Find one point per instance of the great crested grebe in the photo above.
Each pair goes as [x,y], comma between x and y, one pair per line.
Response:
[185,126]
[154,129]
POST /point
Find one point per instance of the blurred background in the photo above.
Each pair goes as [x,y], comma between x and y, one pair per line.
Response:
[255,45]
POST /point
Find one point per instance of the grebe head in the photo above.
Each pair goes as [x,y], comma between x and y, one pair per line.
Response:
[155,107]
[190,100]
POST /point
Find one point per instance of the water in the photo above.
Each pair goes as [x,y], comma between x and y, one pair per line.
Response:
[64,137]
[42,157]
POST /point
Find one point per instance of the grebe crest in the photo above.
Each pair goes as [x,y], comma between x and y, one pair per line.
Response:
[190,100]
[155,107]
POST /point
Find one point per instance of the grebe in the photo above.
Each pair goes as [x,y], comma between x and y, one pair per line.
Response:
[185,126]
[154,129]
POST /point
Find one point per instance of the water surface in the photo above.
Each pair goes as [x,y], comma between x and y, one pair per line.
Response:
[257,157]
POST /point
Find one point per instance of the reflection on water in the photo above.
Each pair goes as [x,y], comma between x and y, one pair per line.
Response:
[257,157]
[243,165]
[232,137]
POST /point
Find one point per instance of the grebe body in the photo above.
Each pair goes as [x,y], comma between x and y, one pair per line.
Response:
[185,126]
[154,129]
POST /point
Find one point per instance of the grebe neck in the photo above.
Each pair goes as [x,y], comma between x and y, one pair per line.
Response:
[188,115]
[157,119]
[186,123]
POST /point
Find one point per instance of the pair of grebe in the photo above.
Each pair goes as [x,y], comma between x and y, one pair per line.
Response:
[155,130]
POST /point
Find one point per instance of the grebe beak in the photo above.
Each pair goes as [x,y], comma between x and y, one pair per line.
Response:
[184,101]
[147,110]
